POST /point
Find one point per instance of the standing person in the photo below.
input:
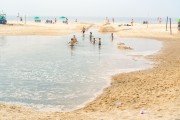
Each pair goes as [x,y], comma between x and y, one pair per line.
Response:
[21,19]
[106,19]
[132,22]
[66,21]
[55,20]
[76,20]
[112,36]
[83,30]
[99,41]
[160,20]
[179,25]
[113,20]
[74,38]
[94,41]
[90,35]
[72,42]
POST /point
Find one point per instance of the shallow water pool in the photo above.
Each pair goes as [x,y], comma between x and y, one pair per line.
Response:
[45,73]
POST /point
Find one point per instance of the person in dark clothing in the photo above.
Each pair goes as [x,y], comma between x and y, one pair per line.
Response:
[99,41]
[84,30]
[112,36]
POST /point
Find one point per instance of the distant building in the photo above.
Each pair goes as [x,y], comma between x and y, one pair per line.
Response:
[3,19]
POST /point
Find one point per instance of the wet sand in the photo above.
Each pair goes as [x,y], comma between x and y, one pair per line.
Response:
[141,95]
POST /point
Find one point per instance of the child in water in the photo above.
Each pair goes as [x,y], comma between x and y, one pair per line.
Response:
[99,41]
[72,42]
[84,30]
[74,39]
[94,41]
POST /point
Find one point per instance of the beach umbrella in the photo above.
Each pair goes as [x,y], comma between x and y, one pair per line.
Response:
[62,17]
[36,17]
[1,17]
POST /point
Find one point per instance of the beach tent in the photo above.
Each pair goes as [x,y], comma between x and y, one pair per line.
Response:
[3,19]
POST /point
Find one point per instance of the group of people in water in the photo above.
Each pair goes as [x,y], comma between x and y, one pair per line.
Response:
[73,41]
[91,38]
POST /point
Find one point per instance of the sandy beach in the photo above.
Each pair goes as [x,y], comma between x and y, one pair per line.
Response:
[32,28]
[152,94]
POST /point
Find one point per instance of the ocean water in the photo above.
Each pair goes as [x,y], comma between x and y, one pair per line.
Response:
[45,73]
[152,20]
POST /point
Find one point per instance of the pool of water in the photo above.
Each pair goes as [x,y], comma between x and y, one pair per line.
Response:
[45,73]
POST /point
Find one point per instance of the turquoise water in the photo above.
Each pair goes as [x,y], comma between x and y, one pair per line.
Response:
[45,73]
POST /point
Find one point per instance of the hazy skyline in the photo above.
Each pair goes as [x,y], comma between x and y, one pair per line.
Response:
[101,8]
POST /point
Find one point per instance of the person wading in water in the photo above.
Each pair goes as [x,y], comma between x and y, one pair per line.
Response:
[90,36]
[83,30]
[112,36]
[99,41]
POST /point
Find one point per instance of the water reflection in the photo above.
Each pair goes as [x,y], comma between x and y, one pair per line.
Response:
[83,37]
[99,48]
[3,42]
[72,47]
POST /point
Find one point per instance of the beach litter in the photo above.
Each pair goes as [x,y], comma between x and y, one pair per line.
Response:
[142,112]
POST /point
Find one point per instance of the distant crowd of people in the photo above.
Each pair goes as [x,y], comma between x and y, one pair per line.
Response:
[55,21]
[49,21]
[159,21]
[66,21]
